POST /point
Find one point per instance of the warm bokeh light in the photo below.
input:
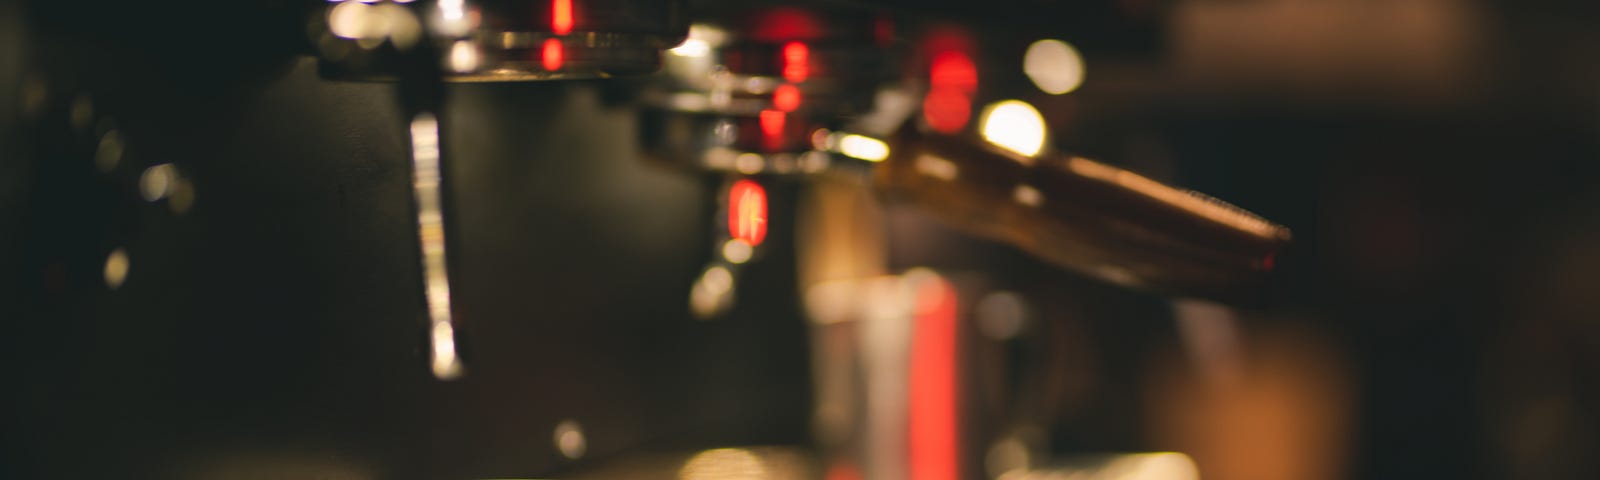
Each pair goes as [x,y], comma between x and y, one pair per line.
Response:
[747,212]
[937,167]
[561,16]
[723,464]
[1014,125]
[371,25]
[737,251]
[570,440]
[109,152]
[116,268]
[463,56]
[863,147]
[712,293]
[1054,66]
[691,47]
[156,182]
[452,20]
[552,55]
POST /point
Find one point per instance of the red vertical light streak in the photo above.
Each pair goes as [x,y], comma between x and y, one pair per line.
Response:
[796,62]
[552,55]
[933,436]
[561,16]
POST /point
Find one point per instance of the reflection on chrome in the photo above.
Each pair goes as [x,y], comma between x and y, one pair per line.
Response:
[724,464]
[116,269]
[1210,208]
[1054,66]
[1136,466]
[1014,125]
[426,180]
[570,440]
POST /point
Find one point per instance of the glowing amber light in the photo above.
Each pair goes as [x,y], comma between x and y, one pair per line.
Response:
[796,62]
[552,55]
[561,17]
[786,97]
[747,212]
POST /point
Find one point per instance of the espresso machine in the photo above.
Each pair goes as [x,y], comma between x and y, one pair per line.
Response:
[798,239]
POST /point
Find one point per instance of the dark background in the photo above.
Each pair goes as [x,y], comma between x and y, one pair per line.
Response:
[1447,244]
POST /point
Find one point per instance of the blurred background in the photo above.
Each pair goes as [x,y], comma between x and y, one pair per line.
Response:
[674,250]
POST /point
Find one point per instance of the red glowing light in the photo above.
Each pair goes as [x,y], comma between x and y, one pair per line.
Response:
[883,30]
[796,62]
[953,69]
[772,123]
[952,80]
[947,109]
[932,440]
[747,212]
[786,97]
[783,24]
[561,17]
[552,55]
[843,471]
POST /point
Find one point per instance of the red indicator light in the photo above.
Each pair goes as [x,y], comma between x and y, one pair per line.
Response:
[796,62]
[747,212]
[561,16]
[786,97]
[952,79]
[772,123]
[953,70]
[552,55]
[783,24]
[947,109]
[933,441]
